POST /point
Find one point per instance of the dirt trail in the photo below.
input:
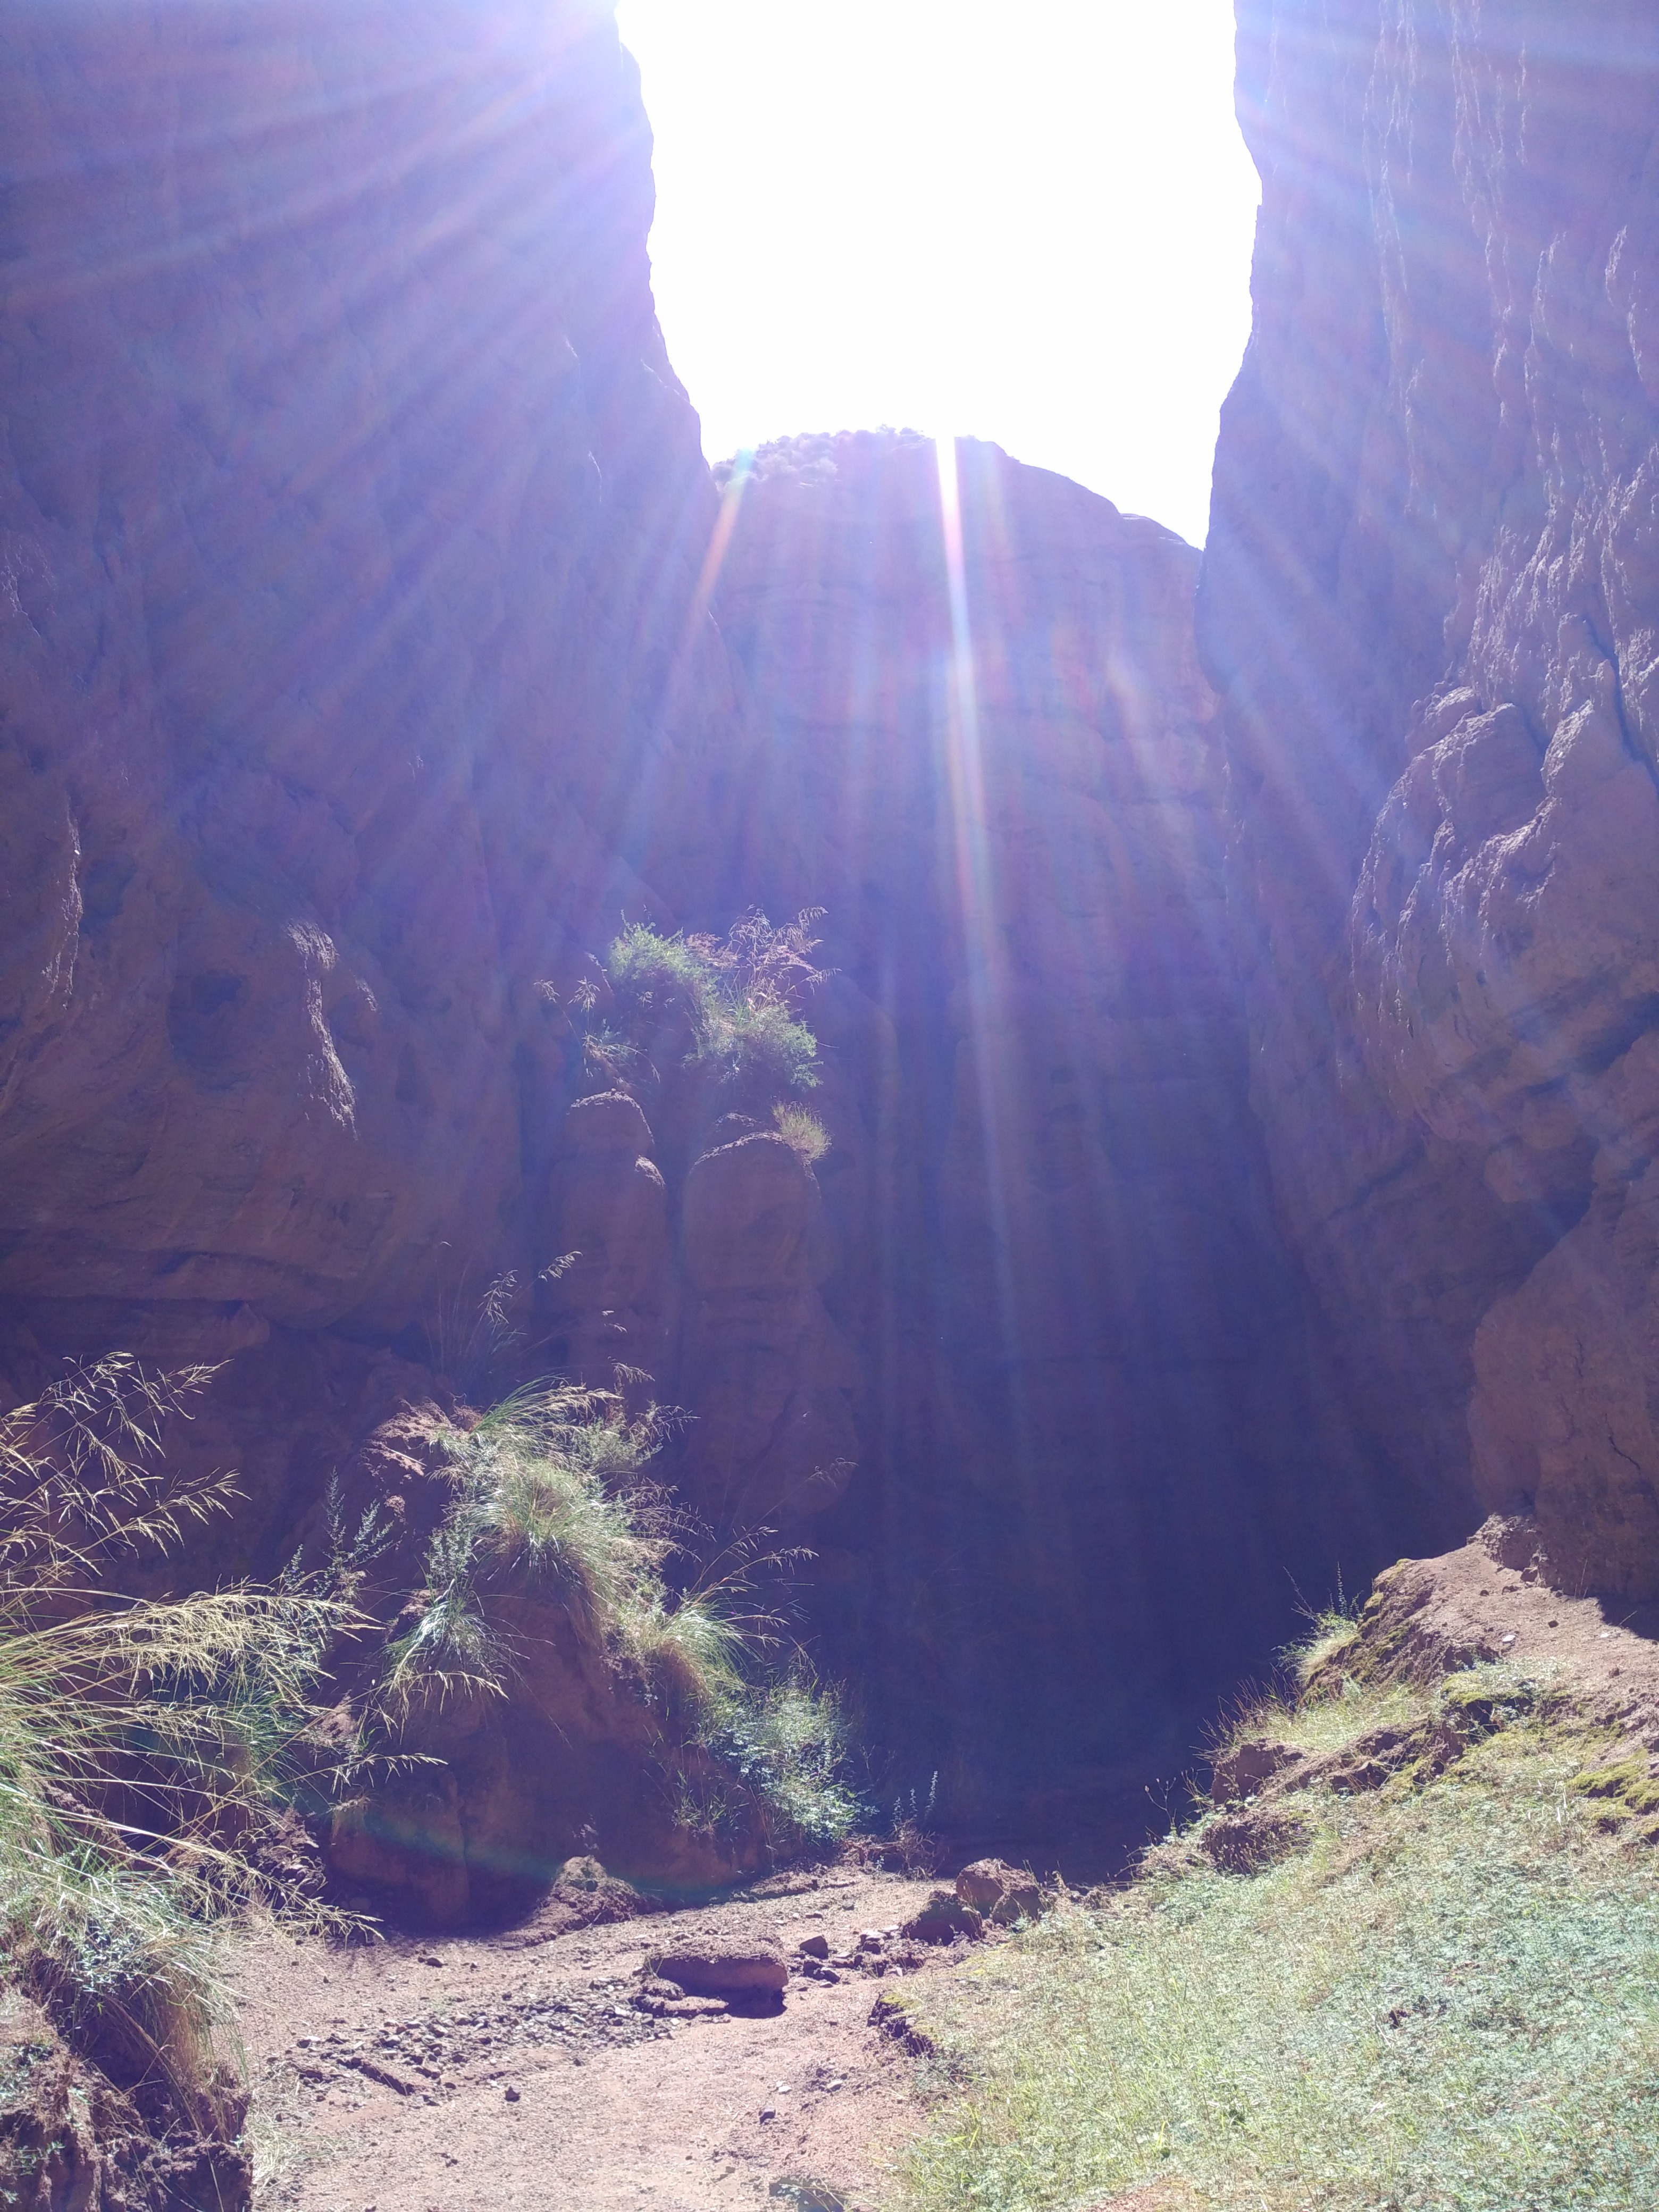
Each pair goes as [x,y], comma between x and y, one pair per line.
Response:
[490,2071]
[477,2073]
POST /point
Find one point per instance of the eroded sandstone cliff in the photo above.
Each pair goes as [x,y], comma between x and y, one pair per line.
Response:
[351,519]
[353,683]
[1237,1095]
[1429,600]
[1099,1449]
[376,645]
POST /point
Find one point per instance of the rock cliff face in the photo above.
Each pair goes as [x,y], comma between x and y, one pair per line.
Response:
[1431,599]
[360,675]
[1238,1099]
[352,671]
[1094,1436]
[350,519]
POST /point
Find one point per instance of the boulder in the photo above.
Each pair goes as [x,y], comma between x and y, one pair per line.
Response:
[606,1292]
[943,1918]
[722,1966]
[1003,1893]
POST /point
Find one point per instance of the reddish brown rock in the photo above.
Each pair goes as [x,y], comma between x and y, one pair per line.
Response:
[716,1966]
[765,1371]
[607,1211]
[1004,1895]
[1090,1379]
[945,1917]
[344,469]
[1429,600]
[357,671]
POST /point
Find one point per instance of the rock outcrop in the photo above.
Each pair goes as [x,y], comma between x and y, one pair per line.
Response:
[354,679]
[1430,598]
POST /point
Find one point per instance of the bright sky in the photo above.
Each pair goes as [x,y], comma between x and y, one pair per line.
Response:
[1022,220]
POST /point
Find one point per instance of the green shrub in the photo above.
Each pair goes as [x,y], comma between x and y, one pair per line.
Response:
[553,1492]
[550,1492]
[763,1041]
[647,968]
[788,1739]
[740,996]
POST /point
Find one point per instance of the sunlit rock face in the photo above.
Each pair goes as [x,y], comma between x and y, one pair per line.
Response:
[1431,598]
[350,517]
[1093,1437]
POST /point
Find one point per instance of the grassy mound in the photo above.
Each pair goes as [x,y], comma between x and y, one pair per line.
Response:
[553,1493]
[1433,1988]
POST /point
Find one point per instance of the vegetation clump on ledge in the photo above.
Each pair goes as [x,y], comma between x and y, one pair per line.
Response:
[1408,1970]
[740,996]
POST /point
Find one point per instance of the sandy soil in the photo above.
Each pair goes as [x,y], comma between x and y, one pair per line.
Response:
[495,2071]
[1469,1604]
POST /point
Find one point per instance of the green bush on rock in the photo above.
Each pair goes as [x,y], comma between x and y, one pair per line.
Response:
[738,997]
[554,1493]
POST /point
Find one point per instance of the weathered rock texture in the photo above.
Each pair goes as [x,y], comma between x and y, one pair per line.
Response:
[372,640]
[1095,1439]
[353,681]
[1432,599]
[350,521]
[362,671]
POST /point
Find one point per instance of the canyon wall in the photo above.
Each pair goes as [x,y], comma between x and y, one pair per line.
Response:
[350,516]
[1430,598]
[1100,1451]
[1239,1106]
[375,642]
[353,683]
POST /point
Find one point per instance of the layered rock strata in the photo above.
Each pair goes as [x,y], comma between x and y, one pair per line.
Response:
[1430,601]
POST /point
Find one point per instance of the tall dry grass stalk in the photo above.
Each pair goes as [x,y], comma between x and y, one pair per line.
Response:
[149,1748]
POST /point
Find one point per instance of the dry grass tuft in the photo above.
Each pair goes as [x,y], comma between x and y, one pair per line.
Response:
[148,1748]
